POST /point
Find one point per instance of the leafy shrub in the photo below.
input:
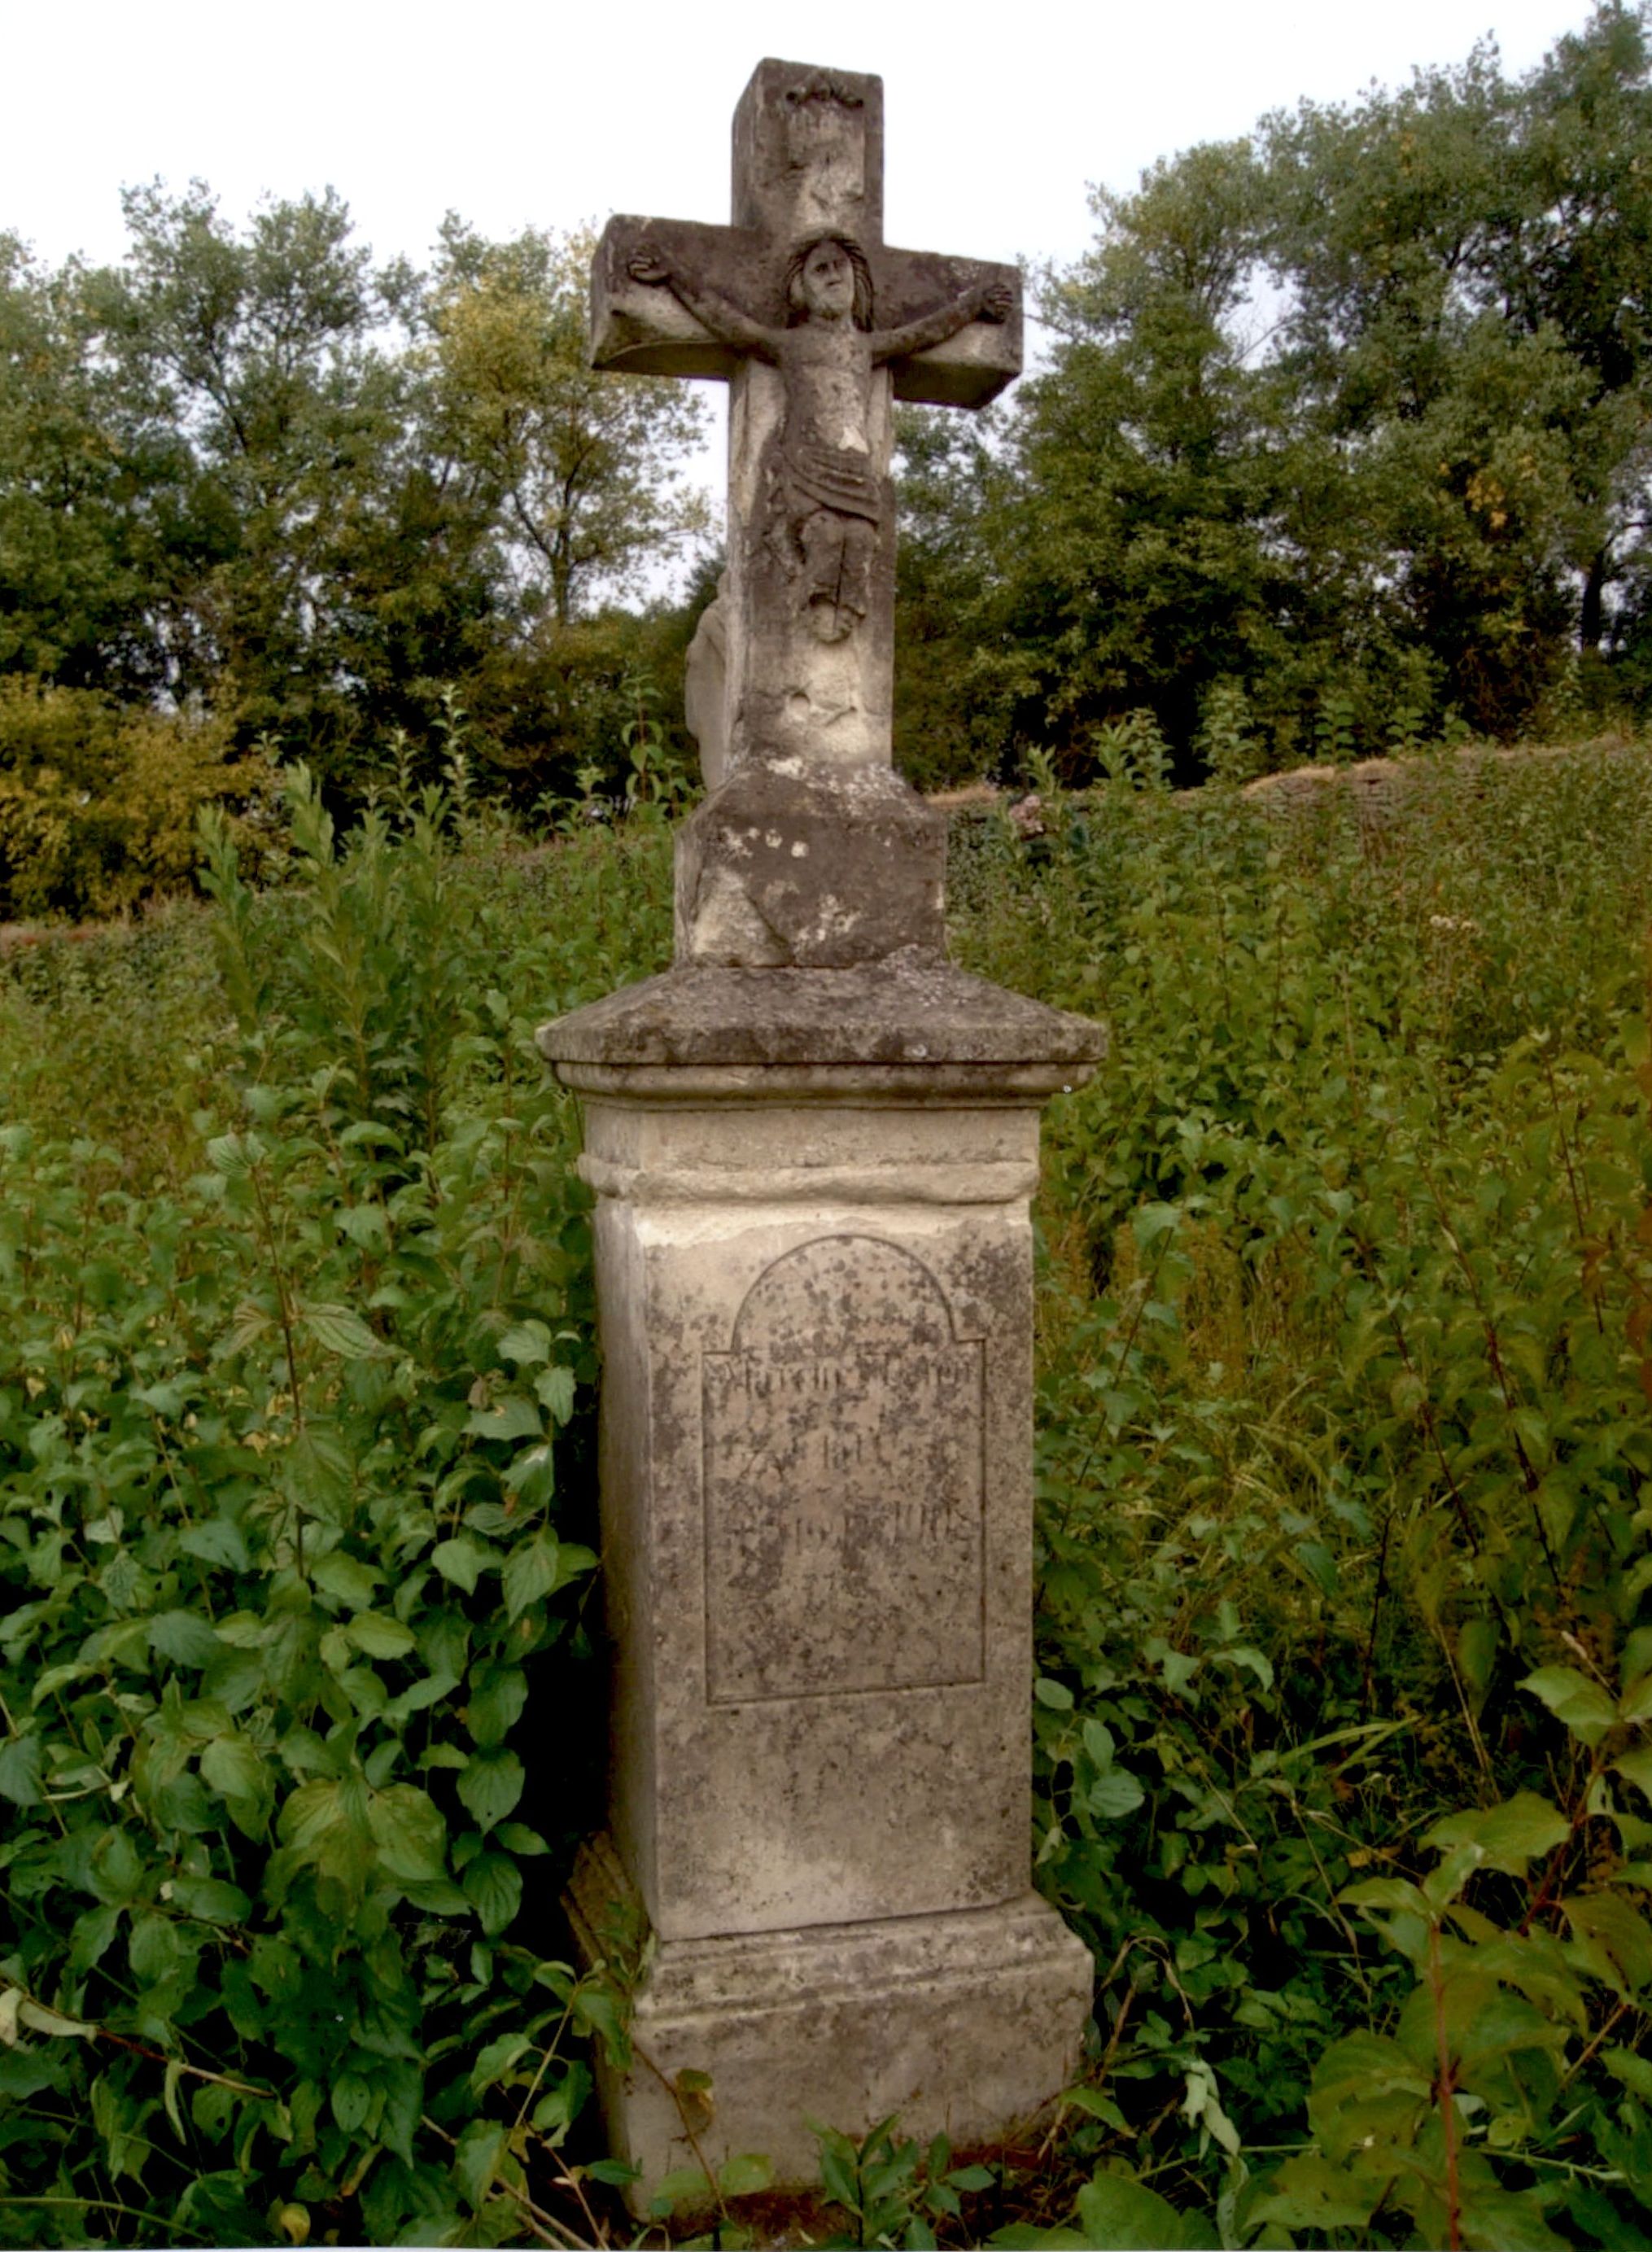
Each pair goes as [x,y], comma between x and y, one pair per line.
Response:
[98,801]
[1342,1431]
[295,1490]
[1343,1465]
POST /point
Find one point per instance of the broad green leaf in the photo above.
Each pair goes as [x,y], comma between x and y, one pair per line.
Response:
[94,1933]
[1614,1937]
[477,2159]
[526,1342]
[554,1388]
[511,1418]
[463,1560]
[313,1813]
[516,1838]
[1095,2105]
[684,2185]
[533,1474]
[1310,2195]
[351,2099]
[1507,1837]
[494,2061]
[493,1709]
[744,2175]
[1637,1766]
[493,1885]
[409,1832]
[1114,1794]
[20,1771]
[184,1638]
[1055,1694]
[235,1768]
[1504,2220]
[1581,1704]
[436,1895]
[1393,1894]
[209,1901]
[346,1578]
[216,1540]
[376,1636]
[490,1784]
[1366,2085]
[1118,2215]
[338,1329]
[530,1574]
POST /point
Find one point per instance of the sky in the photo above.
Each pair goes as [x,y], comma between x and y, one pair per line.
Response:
[997,116]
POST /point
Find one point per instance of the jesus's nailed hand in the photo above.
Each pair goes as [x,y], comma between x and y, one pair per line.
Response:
[647,264]
[997,301]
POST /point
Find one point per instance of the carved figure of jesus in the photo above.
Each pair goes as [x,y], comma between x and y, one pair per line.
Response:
[826,502]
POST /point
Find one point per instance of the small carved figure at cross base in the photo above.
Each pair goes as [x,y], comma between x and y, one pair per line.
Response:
[824,501]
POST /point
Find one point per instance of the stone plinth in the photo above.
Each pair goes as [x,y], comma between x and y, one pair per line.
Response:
[814,1263]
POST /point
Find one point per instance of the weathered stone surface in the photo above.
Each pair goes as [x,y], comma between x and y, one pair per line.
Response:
[816,1471]
[912,1013]
[705,688]
[791,865]
[818,327]
[963,2022]
[813,1143]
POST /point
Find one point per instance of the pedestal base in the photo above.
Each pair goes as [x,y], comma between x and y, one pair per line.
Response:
[963,2022]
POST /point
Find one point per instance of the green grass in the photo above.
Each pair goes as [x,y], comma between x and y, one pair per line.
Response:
[1344,1468]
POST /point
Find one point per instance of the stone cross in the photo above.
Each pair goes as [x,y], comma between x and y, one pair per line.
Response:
[817,324]
[813,1142]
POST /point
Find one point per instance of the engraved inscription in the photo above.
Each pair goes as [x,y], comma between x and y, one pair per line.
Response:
[843,1482]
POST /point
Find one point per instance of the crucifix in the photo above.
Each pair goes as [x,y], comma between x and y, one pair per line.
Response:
[813,1142]
[817,325]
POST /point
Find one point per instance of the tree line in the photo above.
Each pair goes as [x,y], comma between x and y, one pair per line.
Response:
[1344,441]
[1340,442]
[288,502]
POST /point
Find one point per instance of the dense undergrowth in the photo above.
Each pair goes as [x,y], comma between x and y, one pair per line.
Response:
[1345,1486]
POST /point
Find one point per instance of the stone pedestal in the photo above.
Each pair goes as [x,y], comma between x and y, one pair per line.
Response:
[813,1267]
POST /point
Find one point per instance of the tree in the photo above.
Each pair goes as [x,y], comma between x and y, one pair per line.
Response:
[69,587]
[1349,421]
[256,358]
[579,472]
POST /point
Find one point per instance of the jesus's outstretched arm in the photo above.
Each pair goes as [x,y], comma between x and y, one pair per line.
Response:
[992,300]
[710,307]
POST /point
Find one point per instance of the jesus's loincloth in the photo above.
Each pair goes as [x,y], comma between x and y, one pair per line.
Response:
[830,477]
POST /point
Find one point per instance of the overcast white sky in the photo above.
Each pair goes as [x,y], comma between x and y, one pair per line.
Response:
[998,116]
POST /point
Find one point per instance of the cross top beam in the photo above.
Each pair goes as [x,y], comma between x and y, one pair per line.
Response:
[807,159]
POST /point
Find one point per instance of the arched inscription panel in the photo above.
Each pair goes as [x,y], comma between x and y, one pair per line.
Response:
[844,1483]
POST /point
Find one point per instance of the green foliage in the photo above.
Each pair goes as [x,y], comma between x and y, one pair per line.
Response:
[1342,1435]
[575,466]
[1342,1467]
[892,2191]
[1349,414]
[247,471]
[294,1531]
[99,804]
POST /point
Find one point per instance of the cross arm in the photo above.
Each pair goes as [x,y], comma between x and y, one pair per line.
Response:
[645,329]
[642,327]
[969,367]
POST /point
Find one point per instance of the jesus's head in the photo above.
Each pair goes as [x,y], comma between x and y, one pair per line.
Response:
[829,280]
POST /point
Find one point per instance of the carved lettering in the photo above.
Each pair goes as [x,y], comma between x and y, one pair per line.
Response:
[842,1483]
